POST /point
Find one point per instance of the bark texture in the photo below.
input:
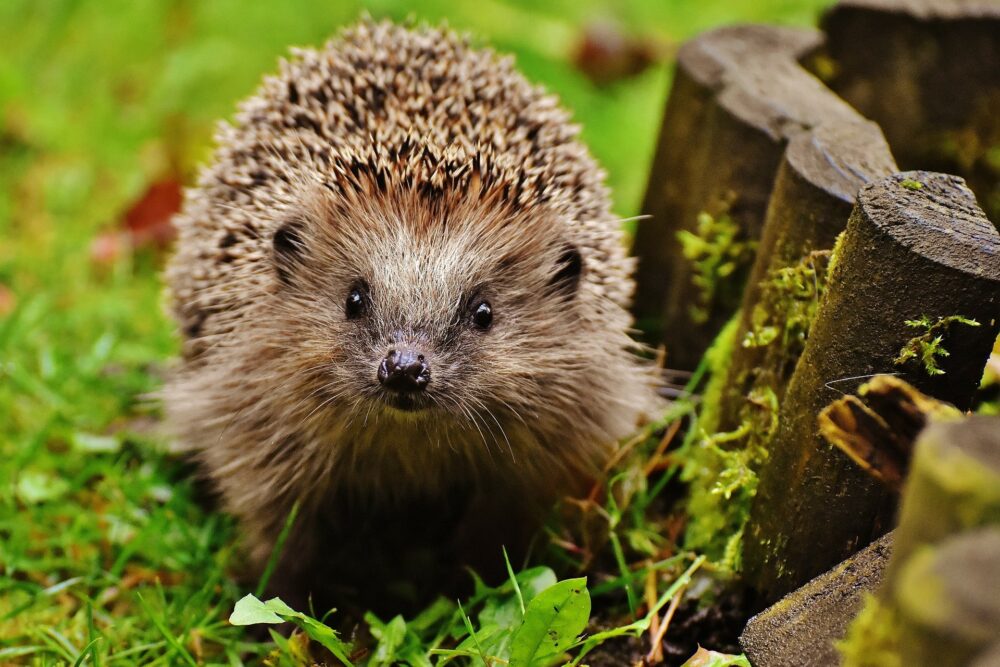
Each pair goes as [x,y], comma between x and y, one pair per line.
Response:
[820,175]
[927,71]
[917,248]
[739,95]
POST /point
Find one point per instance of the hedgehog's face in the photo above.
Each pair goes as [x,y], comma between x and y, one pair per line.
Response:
[414,319]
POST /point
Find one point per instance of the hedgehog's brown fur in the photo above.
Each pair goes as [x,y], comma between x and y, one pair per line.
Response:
[431,171]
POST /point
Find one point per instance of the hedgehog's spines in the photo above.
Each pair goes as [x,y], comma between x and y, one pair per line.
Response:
[411,158]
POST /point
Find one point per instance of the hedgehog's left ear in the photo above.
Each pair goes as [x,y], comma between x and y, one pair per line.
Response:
[288,246]
[569,268]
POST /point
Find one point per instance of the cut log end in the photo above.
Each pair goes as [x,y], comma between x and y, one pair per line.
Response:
[936,216]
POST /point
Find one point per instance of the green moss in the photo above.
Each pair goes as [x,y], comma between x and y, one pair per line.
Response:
[722,465]
[788,304]
[722,472]
[716,251]
[718,357]
[705,511]
[990,384]
[873,638]
[928,347]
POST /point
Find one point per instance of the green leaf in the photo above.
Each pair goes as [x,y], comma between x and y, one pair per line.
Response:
[501,612]
[506,611]
[705,658]
[390,638]
[324,635]
[430,618]
[251,611]
[535,580]
[278,606]
[552,622]
[481,638]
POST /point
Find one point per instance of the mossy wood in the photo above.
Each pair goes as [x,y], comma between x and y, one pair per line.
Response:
[820,174]
[739,95]
[917,247]
[947,599]
[954,485]
[940,602]
[801,629]
[927,71]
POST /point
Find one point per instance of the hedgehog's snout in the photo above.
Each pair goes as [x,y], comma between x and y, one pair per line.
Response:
[404,370]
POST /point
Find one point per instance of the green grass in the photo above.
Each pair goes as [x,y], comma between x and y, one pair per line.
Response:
[105,555]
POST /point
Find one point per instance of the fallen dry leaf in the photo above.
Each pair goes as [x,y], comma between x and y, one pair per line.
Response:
[7,300]
[146,223]
[705,658]
[606,54]
[148,219]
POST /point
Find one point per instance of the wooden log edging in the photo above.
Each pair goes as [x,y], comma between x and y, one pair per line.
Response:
[801,629]
[820,175]
[939,603]
[821,171]
[926,71]
[917,246]
[948,600]
[954,485]
[739,94]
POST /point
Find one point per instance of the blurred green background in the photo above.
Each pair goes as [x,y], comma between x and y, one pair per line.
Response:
[99,102]
[97,96]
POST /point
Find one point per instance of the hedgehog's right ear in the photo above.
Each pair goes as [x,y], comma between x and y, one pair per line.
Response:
[289,248]
[569,268]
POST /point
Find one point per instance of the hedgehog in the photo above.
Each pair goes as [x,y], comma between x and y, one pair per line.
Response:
[403,299]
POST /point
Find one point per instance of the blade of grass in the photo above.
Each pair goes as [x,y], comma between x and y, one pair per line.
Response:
[171,640]
[616,548]
[472,633]
[93,636]
[513,580]
[618,582]
[58,643]
[279,546]
[87,650]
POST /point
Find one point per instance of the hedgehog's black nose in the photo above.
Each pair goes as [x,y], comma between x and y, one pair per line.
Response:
[404,371]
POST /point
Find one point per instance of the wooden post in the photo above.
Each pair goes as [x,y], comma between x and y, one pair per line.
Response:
[802,629]
[738,95]
[940,600]
[820,175]
[926,71]
[948,600]
[917,251]
[954,485]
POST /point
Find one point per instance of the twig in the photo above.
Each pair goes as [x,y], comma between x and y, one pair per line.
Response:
[665,441]
[655,655]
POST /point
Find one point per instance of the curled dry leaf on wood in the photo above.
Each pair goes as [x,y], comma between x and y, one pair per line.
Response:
[877,427]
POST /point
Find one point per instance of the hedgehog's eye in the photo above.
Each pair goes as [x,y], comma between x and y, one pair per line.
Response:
[482,315]
[355,305]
